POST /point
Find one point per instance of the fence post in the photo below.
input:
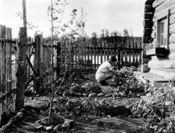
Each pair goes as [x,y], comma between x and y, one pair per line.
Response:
[119,55]
[21,70]
[37,63]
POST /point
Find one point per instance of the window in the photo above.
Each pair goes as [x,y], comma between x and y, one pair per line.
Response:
[162,33]
[163,30]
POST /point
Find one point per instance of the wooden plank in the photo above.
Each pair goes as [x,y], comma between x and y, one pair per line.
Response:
[172,19]
[3,32]
[9,36]
[121,54]
[3,76]
[98,55]
[135,45]
[172,38]
[101,53]
[172,28]
[132,57]
[8,33]
[129,53]
[1,69]
[107,50]
[41,50]
[95,61]
[92,52]
[31,66]
[127,45]
[8,81]
[61,54]
[163,4]
[37,58]
[88,56]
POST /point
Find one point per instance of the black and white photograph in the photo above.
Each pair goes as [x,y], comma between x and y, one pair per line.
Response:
[87,66]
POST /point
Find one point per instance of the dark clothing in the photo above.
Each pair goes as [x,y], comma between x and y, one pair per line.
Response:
[104,83]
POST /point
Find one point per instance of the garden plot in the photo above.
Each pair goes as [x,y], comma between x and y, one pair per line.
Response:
[84,106]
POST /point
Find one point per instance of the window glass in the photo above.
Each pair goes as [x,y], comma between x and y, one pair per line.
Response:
[162,32]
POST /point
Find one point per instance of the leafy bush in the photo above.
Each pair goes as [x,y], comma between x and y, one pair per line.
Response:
[158,109]
[128,84]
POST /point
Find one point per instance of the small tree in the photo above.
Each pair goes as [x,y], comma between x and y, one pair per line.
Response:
[125,33]
[68,30]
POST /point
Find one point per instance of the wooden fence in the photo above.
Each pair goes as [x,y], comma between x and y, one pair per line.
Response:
[6,48]
[38,62]
[86,54]
[89,54]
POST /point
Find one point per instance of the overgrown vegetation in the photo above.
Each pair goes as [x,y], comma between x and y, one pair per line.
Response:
[157,107]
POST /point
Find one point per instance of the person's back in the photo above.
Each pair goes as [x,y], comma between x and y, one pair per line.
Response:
[105,71]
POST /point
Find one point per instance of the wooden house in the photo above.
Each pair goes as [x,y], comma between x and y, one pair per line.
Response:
[159,36]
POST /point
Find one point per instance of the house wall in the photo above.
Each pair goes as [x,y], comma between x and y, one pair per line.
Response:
[164,67]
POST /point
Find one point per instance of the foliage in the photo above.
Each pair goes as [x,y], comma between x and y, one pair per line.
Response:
[158,109]
[77,107]
[128,84]
[66,30]
[125,32]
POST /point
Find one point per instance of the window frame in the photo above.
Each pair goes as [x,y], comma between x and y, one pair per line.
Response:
[163,17]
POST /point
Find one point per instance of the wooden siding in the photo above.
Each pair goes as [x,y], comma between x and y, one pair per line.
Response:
[163,8]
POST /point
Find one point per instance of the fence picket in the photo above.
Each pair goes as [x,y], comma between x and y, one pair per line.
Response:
[127,50]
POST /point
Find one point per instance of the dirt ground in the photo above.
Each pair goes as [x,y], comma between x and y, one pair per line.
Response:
[116,118]
[84,123]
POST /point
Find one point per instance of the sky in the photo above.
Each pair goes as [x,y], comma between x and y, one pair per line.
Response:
[114,15]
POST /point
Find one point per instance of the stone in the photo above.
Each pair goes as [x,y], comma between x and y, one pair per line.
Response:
[54,100]
[85,95]
[145,68]
[33,111]
[39,127]
[37,104]
[66,93]
[29,93]
[45,121]
[55,119]
[100,95]
[76,88]
[95,89]
[38,121]
[108,95]
[19,114]
[49,128]
[92,95]
[57,128]
[68,124]
[23,110]
[42,112]
[78,94]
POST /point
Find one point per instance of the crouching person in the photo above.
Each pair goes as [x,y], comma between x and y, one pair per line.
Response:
[106,71]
